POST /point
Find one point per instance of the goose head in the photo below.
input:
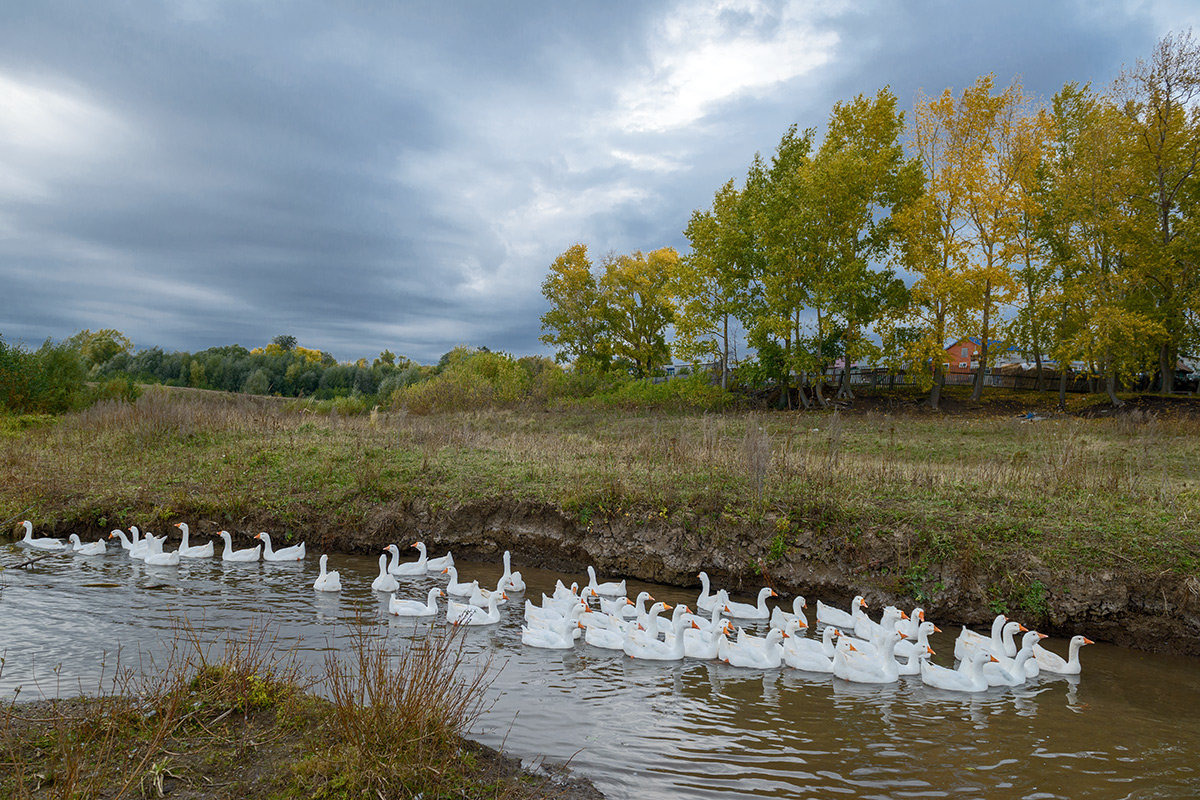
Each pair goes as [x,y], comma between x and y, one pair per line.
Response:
[28,529]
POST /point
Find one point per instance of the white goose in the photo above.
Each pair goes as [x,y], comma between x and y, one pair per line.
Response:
[868,629]
[811,655]
[455,586]
[640,644]
[293,553]
[967,678]
[908,626]
[229,554]
[965,647]
[608,588]
[906,648]
[135,549]
[384,582]
[781,618]
[972,639]
[510,581]
[560,636]
[433,564]
[858,666]
[1053,662]
[831,615]
[550,614]
[748,611]
[95,548]
[707,598]
[480,596]
[705,644]
[605,631]
[42,542]
[752,655]
[1013,671]
[197,551]
[327,581]
[467,614]
[157,558]
[399,567]
[617,605]
[415,608]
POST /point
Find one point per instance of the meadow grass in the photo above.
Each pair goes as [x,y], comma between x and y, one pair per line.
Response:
[1067,490]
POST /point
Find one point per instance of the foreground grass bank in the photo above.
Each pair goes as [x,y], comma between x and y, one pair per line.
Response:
[898,494]
[243,721]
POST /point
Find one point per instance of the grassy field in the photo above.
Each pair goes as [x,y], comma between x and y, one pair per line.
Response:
[1069,490]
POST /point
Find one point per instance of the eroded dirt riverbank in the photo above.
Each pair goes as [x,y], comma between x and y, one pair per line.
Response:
[1157,612]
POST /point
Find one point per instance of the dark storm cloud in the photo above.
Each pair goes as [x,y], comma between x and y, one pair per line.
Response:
[400,176]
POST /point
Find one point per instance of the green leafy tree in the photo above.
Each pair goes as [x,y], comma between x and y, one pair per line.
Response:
[639,307]
[576,323]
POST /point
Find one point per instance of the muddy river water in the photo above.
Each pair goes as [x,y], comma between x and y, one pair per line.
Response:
[1128,727]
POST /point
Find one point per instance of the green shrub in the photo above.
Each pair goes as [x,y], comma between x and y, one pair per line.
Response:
[468,380]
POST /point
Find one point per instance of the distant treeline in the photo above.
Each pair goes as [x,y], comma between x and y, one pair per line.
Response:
[104,365]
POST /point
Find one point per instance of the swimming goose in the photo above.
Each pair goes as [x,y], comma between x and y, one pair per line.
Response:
[748,611]
[905,648]
[510,581]
[965,646]
[229,554]
[781,618]
[157,558]
[973,639]
[455,586]
[908,625]
[640,644]
[608,589]
[604,631]
[415,608]
[1013,671]
[327,581]
[861,666]
[42,542]
[811,655]
[830,615]
[967,678]
[706,600]
[197,551]
[1053,662]
[433,564]
[560,636]
[467,614]
[95,548]
[480,596]
[866,628]
[384,582]
[293,553]
[767,654]
[705,644]
[399,567]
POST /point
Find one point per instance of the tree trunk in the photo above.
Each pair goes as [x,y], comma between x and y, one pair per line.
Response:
[817,390]
[1166,366]
[977,392]
[725,355]
[1037,359]
[802,393]
[1110,386]
[1062,387]
[935,394]
[844,391]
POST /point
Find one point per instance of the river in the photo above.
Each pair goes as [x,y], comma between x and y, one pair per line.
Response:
[1128,727]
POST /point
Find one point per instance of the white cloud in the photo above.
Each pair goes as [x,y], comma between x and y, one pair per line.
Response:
[705,53]
[46,133]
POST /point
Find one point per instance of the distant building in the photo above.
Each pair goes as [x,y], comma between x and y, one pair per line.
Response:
[962,357]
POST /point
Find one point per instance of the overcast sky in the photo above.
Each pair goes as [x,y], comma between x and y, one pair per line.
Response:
[399,175]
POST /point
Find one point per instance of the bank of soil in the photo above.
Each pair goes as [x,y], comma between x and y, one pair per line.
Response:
[1157,612]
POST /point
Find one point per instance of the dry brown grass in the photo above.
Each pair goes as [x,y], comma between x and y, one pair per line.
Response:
[1130,485]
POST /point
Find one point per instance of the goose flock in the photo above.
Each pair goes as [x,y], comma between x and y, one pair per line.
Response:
[850,645]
